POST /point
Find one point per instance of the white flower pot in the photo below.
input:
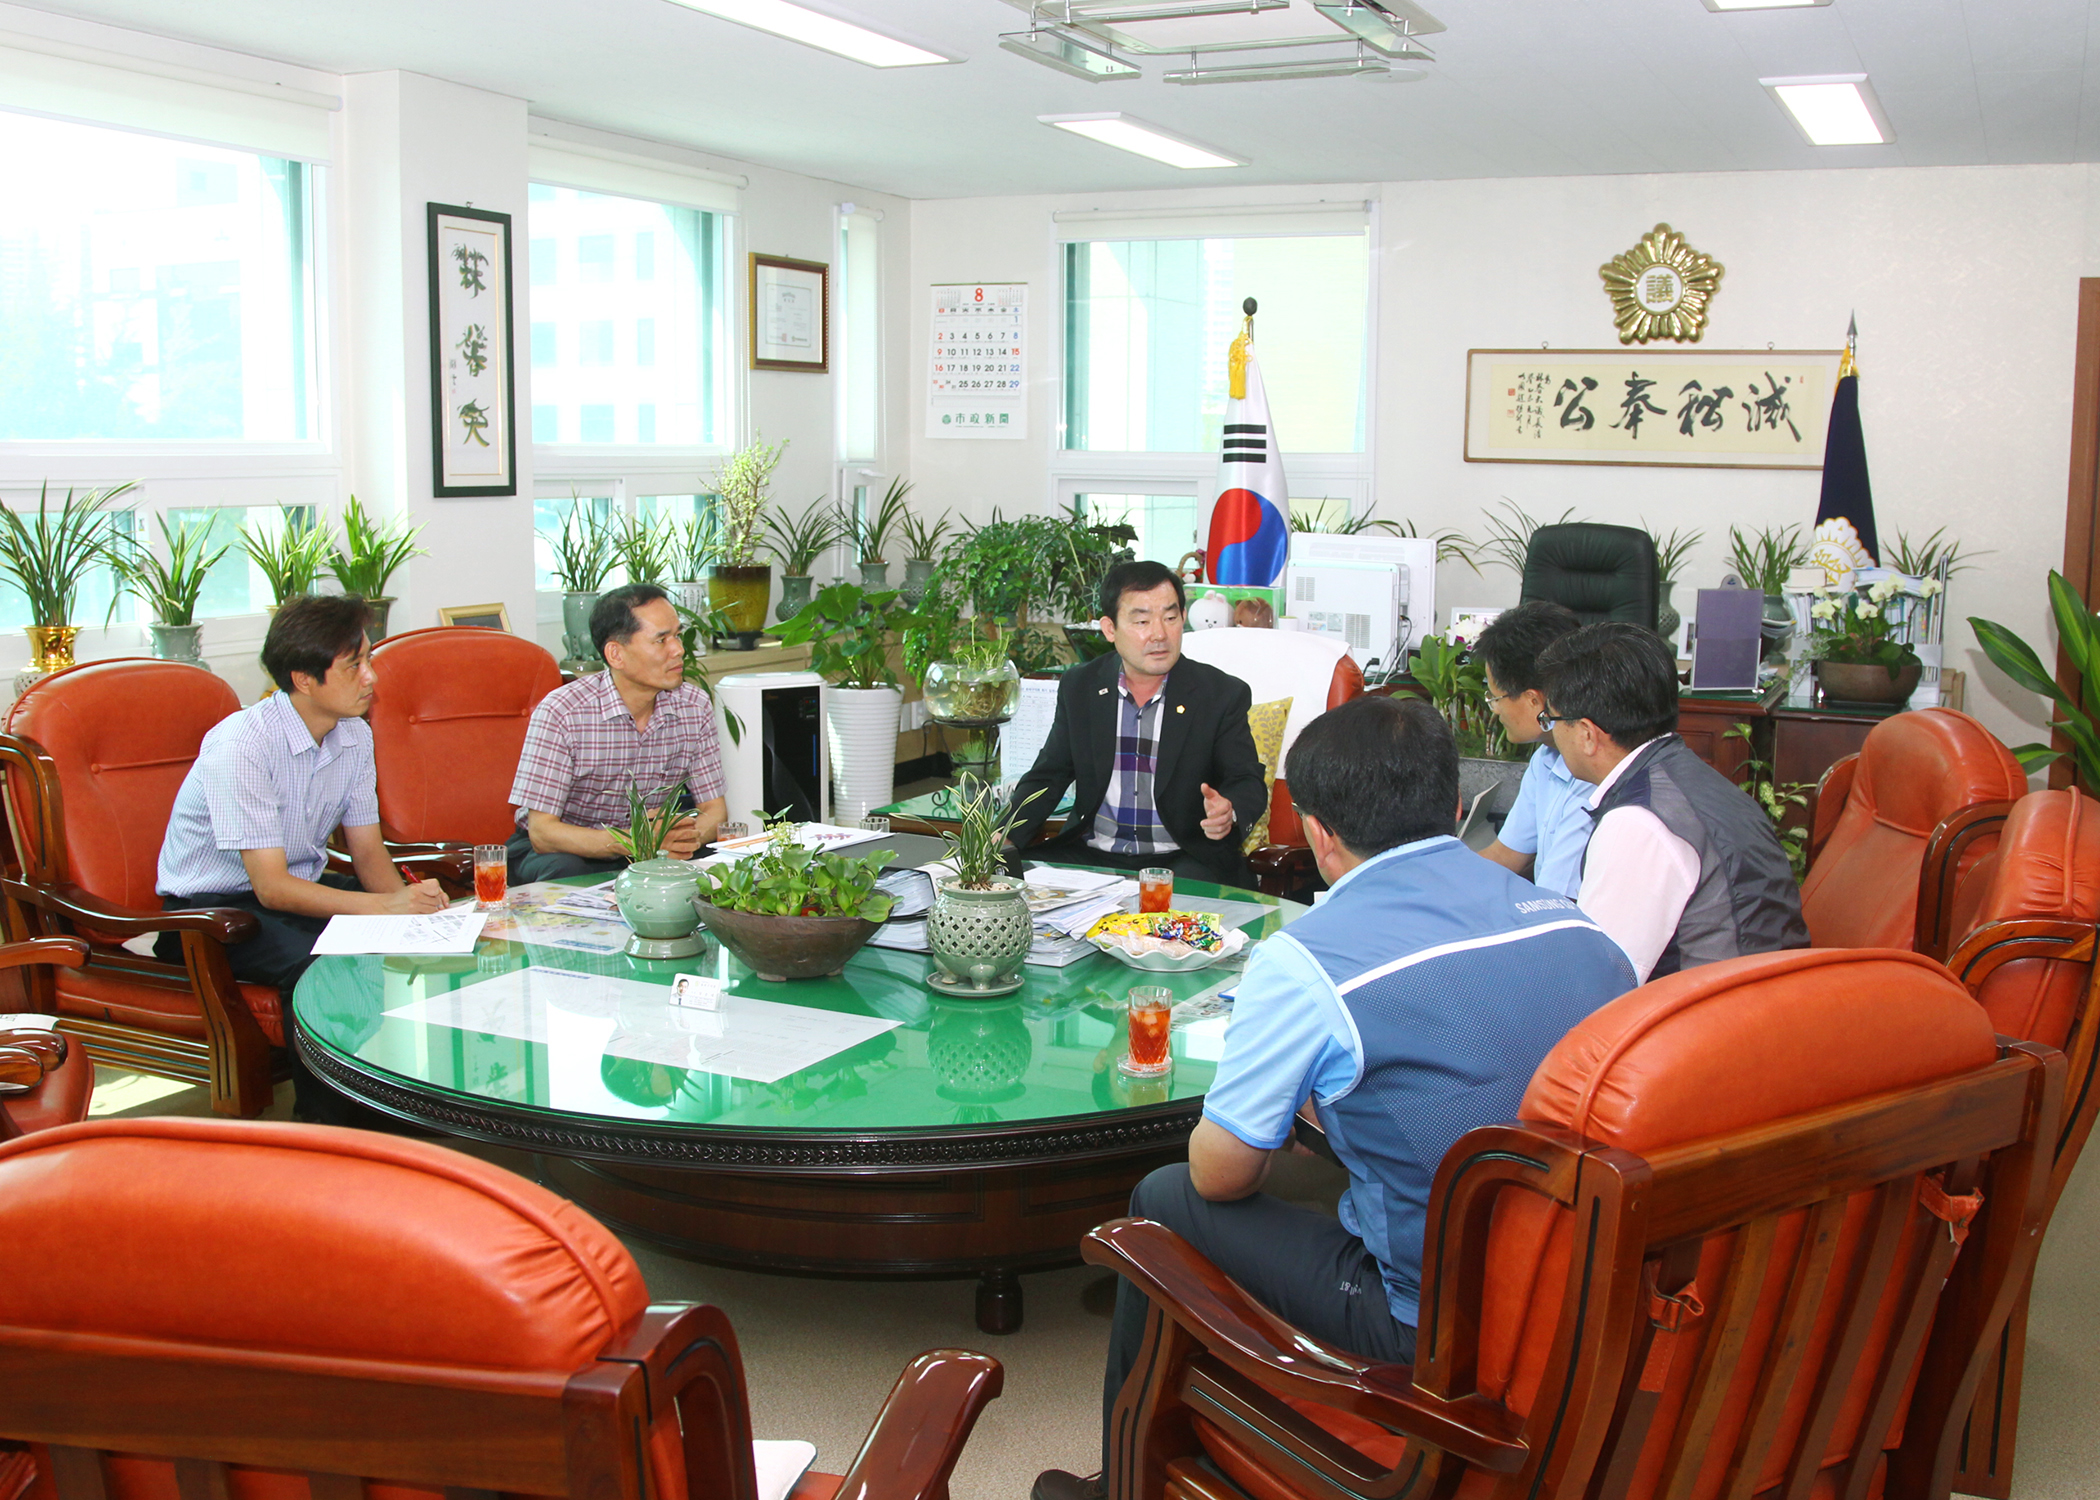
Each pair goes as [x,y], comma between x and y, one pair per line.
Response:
[860,726]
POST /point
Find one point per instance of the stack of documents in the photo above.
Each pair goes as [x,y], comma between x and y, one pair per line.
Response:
[451,931]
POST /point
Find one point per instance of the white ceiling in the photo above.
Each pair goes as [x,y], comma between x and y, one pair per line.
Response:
[1519,88]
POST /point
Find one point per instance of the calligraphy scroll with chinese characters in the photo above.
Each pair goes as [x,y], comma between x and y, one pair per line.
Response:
[1703,408]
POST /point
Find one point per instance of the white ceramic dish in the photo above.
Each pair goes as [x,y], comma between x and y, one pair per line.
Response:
[1160,963]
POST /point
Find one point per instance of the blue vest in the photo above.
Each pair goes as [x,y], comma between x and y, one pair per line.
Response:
[1459,978]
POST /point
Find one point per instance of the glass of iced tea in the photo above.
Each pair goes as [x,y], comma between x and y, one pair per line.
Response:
[491,877]
[1151,1015]
[1155,889]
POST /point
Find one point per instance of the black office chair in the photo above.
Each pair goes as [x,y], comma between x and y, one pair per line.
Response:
[1600,572]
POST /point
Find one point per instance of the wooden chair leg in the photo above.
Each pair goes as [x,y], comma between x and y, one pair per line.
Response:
[1994,1420]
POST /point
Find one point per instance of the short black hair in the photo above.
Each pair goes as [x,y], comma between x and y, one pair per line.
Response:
[1511,643]
[312,632]
[1140,577]
[1378,772]
[613,617]
[1621,677]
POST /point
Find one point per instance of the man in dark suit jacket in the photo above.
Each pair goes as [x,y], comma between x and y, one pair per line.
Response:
[1165,767]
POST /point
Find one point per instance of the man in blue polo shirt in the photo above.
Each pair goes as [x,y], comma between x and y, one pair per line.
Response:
[1413,1005]
[1548,826]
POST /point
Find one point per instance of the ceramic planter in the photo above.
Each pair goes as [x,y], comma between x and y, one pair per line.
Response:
[918,578]
[742,594]
[178,642]
[874,576]
[376,631]
[576,628]
[690,596]
[656,897]
[1667,619]
[860,725]
[1866,682]
[51,646]
[794,595]
[782,948]
[979,938]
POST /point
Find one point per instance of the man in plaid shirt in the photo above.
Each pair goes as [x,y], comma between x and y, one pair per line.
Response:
[639,722]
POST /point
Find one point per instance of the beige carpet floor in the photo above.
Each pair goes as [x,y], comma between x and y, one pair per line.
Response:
[819,1356]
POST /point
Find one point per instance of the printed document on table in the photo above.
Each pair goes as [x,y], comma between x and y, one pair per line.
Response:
[452,931]
[760,1040]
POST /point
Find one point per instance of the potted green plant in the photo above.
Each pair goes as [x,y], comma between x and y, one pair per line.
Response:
[1040,575]
[1763,559]
[655,892]
[980,926]
[798,544]
[1937,556]
[1855,657]
[1455,683]
[170,588]
[368,557]
[2077,718]
[291,557]
[645,550]
[848,632]
[1671,553]
[870,534]
[46,558]
[790,912]
[582,557]
[738,584]
[694,544]
[922,550]
[1508,539]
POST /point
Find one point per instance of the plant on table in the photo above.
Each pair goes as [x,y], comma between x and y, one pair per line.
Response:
[1853,626]
[1764,558]
[290,557]
[786,878]
[171,587]
[1456,683]
[1024,573]
[650,818]
[798,543]
[648,550]
[2075,717]
[870,533]
[980,928]
[984,823]
[370,552]
[847,630]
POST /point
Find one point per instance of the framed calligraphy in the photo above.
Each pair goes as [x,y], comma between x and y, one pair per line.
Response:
[1687,408]
[790,314]
[473,376]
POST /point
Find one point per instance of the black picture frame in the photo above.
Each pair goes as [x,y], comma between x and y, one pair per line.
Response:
[453,371]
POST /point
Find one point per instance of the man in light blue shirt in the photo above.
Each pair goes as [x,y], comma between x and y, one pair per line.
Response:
[1413,1005]
[1549,826]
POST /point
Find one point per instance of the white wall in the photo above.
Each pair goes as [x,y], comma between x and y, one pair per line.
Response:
[1964,280]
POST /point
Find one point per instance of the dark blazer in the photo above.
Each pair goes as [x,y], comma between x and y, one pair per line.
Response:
[1203,737]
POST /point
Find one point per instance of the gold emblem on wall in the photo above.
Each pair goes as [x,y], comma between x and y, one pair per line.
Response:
[1660,288]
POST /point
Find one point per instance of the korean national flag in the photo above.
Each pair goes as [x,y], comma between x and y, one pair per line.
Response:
[1250,537]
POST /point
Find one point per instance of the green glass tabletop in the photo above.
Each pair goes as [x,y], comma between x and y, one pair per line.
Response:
[600,1038]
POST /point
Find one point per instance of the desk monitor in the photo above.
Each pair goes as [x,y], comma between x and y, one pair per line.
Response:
[1726,641]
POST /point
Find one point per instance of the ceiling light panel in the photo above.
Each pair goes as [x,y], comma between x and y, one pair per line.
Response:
[1059,49]
[1374,25]
[1281,72]
[1126,134]
[1837,109]
[812,28]
[1720,6]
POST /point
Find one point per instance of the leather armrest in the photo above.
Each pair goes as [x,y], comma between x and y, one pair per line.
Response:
[52,950]
[1280,859]
[911,1449]
[20,1069]
[1833,790]
[1232,1325]
[227,924]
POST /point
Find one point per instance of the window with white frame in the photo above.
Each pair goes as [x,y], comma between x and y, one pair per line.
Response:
[629,315]
[859,342]
[152,290]
[609,505]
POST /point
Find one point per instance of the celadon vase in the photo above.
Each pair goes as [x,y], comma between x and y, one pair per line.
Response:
[918,578]
[794,595]
[178,642]
[576,610]
[656,897]
[874,576]
[979,938]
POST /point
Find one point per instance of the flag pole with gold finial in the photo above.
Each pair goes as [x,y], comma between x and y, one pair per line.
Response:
[1849,364]
[1236,357]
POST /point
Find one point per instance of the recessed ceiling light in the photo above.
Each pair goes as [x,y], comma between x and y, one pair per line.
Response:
[1835,110]
[798,23]
[1725,5]
[1126,134]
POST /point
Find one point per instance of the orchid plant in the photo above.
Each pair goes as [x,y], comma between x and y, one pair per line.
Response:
[1855,625]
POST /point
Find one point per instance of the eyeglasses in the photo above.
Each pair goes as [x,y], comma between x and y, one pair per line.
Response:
[1548,720]
[1495,698]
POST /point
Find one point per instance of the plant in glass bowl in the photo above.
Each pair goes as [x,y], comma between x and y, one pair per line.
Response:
[48,556]
[738,584]
[974,683]
[790,912]
[582,556]
[848,632]
[655,892]
[980,926]
[170,587]
[798,544]
[368,556]
[1856,657]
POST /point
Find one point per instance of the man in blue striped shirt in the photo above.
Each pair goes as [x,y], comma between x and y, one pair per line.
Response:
[270,784]
[1413,1005]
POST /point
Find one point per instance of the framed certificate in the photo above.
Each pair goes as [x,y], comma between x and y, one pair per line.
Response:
[790,314]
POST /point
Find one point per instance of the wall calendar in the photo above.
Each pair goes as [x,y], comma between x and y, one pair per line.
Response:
[977,368]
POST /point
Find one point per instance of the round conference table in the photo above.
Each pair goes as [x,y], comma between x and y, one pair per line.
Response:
[970,1138]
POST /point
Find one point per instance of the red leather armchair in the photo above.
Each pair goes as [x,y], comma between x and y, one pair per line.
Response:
[2028,957]
[1316,673]
[1703,1262]
[93,758]
[448,722]
[1897,825]
[325,1307]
